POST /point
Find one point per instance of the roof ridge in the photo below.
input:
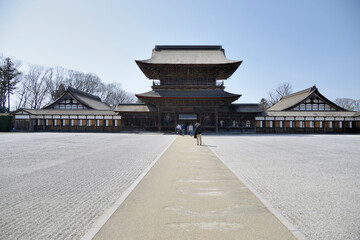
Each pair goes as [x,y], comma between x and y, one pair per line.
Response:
[77,91]
[188,47]
[310,89]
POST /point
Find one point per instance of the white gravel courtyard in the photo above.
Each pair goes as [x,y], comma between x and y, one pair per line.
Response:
[312,180]
[55,185]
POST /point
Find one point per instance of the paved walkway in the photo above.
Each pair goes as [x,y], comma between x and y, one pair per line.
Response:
[190,194]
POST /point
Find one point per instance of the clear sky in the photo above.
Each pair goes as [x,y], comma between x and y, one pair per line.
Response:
[303,42]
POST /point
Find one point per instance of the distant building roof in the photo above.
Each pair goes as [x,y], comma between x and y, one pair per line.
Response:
[292,100]
[135,107]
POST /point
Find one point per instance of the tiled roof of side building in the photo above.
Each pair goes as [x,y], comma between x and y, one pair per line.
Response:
[92,103]
[88,95]
[86,99]
[68,112]
[310,114]
[292,99]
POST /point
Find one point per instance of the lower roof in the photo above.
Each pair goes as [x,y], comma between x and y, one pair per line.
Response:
[135,107]
[241,107]
[188,94]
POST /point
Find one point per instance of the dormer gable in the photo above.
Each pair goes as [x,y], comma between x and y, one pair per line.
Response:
[74,99]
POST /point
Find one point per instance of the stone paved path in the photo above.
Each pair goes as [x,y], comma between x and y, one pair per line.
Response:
[190,194]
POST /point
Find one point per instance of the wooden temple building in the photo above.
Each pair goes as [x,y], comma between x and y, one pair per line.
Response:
[307,111]
[73,111]
[188,87]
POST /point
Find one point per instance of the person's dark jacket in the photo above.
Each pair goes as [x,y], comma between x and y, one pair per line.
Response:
[198,130]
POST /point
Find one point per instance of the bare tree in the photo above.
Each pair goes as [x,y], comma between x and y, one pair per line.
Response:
[113,94]
[86,82]
[55,85]
[33,89]
[41,83]
[348,103]
[357,105]
[281,91]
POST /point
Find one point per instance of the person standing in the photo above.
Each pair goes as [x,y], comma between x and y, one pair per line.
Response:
[183,129]
[178,129]
[198,131]
[191,129]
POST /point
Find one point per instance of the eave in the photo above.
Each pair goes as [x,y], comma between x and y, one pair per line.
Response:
[223,72]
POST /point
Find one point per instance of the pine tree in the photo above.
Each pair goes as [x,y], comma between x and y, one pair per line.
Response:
[8,81]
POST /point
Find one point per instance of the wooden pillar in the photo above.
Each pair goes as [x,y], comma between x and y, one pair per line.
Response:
[30,123]
[176,119]
[216,120]
[159,119]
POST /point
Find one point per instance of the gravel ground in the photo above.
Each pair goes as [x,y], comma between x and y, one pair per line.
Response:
[55,185]
[312,180]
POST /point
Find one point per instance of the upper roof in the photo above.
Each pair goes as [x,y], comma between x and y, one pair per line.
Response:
[88,100]
[192,54]
[292,100]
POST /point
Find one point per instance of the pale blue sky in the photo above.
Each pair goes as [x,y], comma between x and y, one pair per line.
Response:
[301,42]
